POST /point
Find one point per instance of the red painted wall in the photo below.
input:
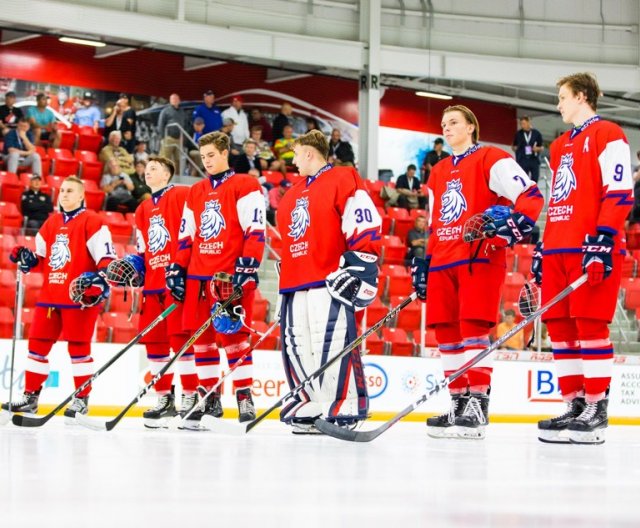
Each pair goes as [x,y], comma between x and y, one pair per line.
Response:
[157,73]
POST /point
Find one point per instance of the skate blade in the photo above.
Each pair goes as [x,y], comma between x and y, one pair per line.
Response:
[5,417]
[157,423]
[442,432]
[553,437]
[595,437]
[305,430]
[68,420]
[470,433]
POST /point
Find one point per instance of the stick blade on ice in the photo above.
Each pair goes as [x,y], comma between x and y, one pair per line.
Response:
[28,420]
[90,423]
[217,425]
[331,429]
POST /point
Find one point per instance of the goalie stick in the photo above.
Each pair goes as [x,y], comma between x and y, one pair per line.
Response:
[367,436]
[178,421]
[225,426]
[99,425]
[22,420]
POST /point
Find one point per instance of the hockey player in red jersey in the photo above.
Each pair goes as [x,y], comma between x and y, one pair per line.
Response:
[329,226]
[72,247]
[592,193]
[157,228]
[222,230]
[465,279]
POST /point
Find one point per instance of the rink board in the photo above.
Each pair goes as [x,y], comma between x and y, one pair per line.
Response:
[524,386]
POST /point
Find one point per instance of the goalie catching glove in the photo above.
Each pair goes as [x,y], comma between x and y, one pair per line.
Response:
[88,289]
[355,283]
[597,258]
[127,271]
[24,258]
[507,225]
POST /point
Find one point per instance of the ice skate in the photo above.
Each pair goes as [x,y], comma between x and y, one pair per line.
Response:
[443,426]
[165,408]
[473,420]
[78,406]
[304,426]
[27,404]
[554,430]
[590,426]
[246,408]
[212,406]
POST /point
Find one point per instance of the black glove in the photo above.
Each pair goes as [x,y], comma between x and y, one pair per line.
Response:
[176,275]
[419,275]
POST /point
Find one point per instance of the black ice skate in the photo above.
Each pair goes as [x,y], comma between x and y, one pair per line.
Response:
[590,426]
[246,409]
[443,426]
[27,404]
[78,406]
[212,406]
[473,420]
[165,408]
[554,430]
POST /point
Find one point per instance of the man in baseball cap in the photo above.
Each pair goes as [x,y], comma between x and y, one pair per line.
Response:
[209,112]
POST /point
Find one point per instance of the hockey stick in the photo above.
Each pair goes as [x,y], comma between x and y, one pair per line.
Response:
[32,421]
[5,416]
[225,426]
[178,421]
[367,436]
[99,425]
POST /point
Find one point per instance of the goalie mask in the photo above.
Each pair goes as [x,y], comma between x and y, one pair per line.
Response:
[88,289]
[127,271]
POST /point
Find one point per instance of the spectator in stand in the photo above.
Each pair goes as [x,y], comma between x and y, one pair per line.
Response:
[113,150]
[265,154]
[140,153]
[340,152]
[433,156]
[210,112]
[36,206]
[43,122]
[172,114]
[141,191]
[408,187]
[194,154]
[129,115]
[62,104]
[19,149]
[284,146]
[275,195]
[417,239]
[517,341]
[527,144]
[118,120]
[282,119]
[248,162]
[88,115]
[9,113]
[312,124]
[257,119]
[119,188]
[235,149]
[240,131]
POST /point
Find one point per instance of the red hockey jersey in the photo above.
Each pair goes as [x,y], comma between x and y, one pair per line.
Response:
[592,186]
[320,218]
[462,186]
[67,246]
[157,229]
[222,220]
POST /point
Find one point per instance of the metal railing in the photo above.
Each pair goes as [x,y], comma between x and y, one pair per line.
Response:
[182,152]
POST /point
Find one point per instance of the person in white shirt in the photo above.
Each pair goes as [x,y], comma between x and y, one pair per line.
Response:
[240,131]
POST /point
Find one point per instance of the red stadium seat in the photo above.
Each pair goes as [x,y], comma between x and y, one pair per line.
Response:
[375,345]
[409,317]
[415,213]
[398,213]
[55,182]
[510,259]
[628,267]
[118,225]
[103,332]
[66,167]
[32,285]
[85,155]
[394,250]
[93,200]
[123,329]
[67,139]
[386,221]
[376,311]
[632,294]
[60,153]
[273,177]
[7,288]
[11,188]
[10,215]
[430,340]
[399,343]
[512,285]
[92,171]
[27,241]
[6,322]
[260,310]
[398,280]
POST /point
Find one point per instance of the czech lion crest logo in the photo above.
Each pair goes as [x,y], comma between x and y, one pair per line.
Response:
[211,220]
[60,253]
[565,179]
[300,219]
[453,203]
[158,234]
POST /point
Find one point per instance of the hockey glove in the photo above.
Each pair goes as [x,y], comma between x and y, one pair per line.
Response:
[176,275]
[246,273]
[89,288]
[127,271]
[225,322]
[536,264]
[508,226]
[597,258]
[419,275]
[355,283]
[24,258]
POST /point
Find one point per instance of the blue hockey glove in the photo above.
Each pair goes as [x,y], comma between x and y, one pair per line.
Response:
[419,276]
[127,271]
[355,282]
[597,258]
[176,275]
[88,289]
[508,226]
[225,322]
[246,273]
[24,258]
[536,264]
